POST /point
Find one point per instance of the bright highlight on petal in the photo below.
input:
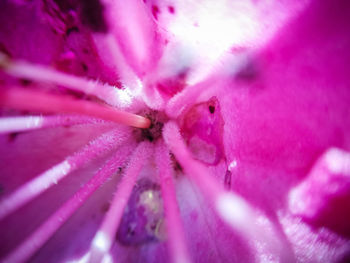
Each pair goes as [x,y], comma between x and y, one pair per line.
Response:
[19,124]
[215,20]
[16,124]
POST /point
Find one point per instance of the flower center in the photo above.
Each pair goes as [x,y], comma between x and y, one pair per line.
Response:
[154,132]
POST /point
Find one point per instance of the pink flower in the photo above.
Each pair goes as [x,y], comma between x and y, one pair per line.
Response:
[212,131]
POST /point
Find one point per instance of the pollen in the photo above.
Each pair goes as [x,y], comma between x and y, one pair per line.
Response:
[143,219]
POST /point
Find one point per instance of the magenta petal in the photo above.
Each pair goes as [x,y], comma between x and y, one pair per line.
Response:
[323,197]
[24,35]
[296,105]
[260,90]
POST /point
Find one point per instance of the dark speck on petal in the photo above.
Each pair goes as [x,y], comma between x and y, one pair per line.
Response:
[249,72]
[11,137]
[72,30]
[155,11]
[171,9]
[92,15]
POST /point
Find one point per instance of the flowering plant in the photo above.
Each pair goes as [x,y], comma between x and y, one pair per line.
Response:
[156,131]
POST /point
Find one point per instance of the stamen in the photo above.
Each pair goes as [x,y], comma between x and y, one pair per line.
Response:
[23,99]
[183,100]
[21,69]
[30,190]
[26,123]
[105,236]
[125,73]
[230,207]
[41,235]
[176,243]
[139,41]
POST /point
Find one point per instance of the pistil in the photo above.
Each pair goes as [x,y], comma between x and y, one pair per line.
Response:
[32,100]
